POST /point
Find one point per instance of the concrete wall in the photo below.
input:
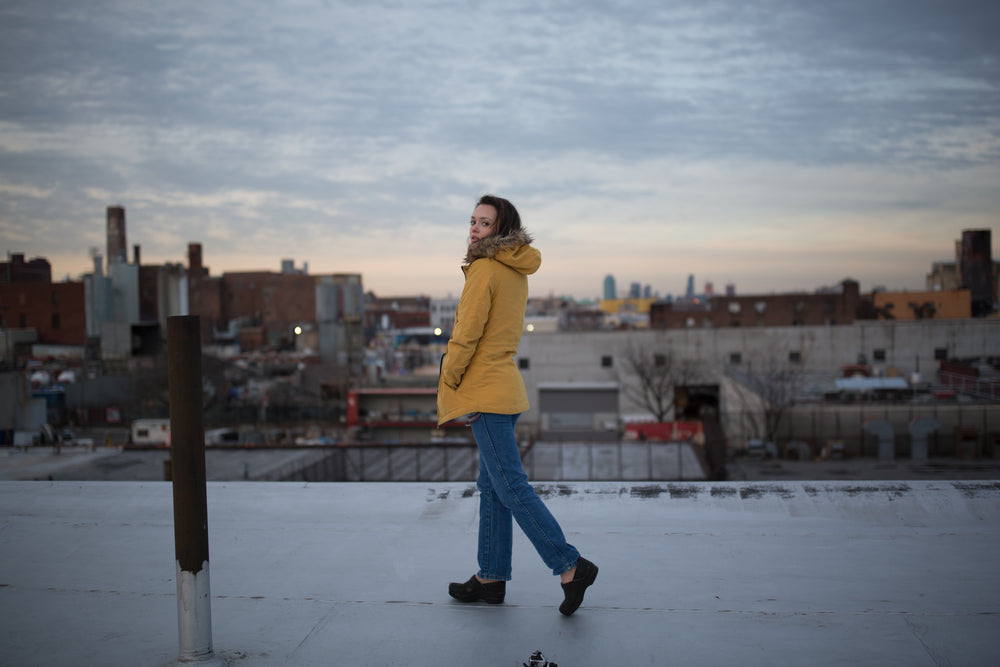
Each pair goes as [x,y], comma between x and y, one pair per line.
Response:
[906,347]
[965,431]
[632,461]
[11,395]
[17,410]
[125,292]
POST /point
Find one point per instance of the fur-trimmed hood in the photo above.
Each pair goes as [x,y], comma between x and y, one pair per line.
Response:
[513,250]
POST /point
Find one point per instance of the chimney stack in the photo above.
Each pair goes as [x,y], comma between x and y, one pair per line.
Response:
[116,235]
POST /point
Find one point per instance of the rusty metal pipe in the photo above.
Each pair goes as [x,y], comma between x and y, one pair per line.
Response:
[187,445]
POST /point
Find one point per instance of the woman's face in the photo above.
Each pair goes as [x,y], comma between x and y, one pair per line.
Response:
[483,223]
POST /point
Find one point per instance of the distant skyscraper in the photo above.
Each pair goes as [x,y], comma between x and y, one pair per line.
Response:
[730,289]
[634,291]
[647,292]
[609,287]
[709,289]
[689,292]
[116,235]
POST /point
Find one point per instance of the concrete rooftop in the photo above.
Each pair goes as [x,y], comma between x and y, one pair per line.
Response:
[749,573]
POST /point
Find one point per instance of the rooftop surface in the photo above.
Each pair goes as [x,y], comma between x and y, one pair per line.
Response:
[748,573]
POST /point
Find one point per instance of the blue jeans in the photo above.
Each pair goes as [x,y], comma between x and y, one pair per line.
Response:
[504,493]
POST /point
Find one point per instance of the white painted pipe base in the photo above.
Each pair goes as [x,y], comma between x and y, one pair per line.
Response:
[194,618]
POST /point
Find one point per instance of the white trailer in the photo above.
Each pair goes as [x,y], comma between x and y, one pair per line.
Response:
[150,432]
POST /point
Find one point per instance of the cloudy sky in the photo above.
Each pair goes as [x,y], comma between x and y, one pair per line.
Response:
[777,145]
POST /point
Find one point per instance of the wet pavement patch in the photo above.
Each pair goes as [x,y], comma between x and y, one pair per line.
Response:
[546,491]
[648,491]
[674,491]
[978,489]
[869,489]
[766,490]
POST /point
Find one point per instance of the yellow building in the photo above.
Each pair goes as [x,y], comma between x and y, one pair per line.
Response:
[622,306]
[938,305]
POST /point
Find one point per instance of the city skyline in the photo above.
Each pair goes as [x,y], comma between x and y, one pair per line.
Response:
[782,146]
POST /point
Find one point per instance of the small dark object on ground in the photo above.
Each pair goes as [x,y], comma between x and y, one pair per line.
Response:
[538,660]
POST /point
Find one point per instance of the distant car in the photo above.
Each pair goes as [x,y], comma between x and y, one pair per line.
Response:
[66,436]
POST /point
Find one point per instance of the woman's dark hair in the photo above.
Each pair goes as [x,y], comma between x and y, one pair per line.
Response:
[508,219]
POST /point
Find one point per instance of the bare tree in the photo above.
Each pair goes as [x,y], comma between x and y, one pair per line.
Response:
[766,390]
[651,373]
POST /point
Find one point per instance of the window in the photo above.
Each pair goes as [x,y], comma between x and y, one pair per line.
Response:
[689,322]
[735,358]
[55,298]
[878,355]
[55,320]
[940,353]
[734,307]
[799,306]
[524,363]
[22,321]
[760,307]
[606,362]
[795,357]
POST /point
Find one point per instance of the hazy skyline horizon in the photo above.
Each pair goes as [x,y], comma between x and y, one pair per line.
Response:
[622,286]
[778,145]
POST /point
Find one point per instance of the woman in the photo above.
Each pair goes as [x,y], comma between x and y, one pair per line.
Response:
[479,378]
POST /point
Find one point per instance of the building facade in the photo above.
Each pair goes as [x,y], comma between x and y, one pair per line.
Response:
[396,312]
[761,310]
[904,348]
[16,270]
[443,314]
[951,304]
[57,311]
[973,269]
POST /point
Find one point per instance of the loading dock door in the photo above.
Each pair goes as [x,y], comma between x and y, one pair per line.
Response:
[586,411]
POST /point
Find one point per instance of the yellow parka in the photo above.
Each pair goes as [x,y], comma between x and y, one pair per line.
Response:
[478,372]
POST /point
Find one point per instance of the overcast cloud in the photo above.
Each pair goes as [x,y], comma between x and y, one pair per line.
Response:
[776,145]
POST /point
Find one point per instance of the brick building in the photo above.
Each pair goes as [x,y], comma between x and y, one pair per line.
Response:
[258,308]
[204,294]
[276,302]
[16,270]
[762,310]
[396,312]
[973,269]
[57,311]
